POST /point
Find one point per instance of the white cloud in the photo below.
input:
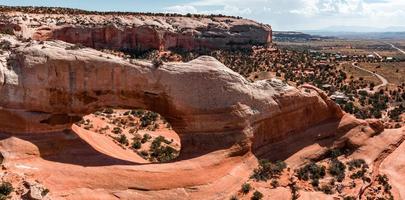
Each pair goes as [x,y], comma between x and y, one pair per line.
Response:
[182,9]
[305,14]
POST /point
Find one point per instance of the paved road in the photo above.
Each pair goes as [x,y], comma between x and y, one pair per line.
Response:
[400,50]
[382,79]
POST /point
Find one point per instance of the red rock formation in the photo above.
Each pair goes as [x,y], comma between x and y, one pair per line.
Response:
[135,32]
[215,110]
[223,120]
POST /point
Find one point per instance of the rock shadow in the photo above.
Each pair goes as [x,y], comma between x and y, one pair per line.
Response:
[323,134]
[66,147]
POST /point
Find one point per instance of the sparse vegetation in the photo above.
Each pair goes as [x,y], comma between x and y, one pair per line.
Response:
[162,152]
[311,171]
[257,195]
[267,170]
[5,190]
[383,180]
[337,169]
[233,198]
[246,188]
[122,139]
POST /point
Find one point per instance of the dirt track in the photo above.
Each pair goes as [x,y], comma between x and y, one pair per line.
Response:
[400,50]
[381,78]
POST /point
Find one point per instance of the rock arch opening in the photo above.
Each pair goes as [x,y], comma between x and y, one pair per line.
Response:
[136,135]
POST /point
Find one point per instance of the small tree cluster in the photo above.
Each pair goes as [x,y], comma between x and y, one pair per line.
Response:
[337,169]
[267,170]
[311,171]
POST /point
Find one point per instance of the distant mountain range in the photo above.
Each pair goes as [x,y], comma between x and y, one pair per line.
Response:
[360,32]
[359,29]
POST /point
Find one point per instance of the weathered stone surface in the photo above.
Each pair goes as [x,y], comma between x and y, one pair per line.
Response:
[208,105]
[140,33]
[225,122]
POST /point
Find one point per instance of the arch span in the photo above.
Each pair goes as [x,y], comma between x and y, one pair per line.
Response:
[48,87]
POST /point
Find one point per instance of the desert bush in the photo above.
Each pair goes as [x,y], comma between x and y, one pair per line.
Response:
[274,183]
[311,171]
[5,189]
[257,196]
[337,169]
[267,170]
[137,144]
[356,163]
[146,137]
[384,181]
[327,189]
[233,197]
[161,152]
[246,188]
[117,130]
[122,139]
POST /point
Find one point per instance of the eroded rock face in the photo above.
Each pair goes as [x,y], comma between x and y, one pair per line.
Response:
[209,106]
[225,123]
[140,33]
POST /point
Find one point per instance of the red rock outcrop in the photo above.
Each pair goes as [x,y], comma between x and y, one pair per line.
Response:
[141,33]
[47,88]
[224,121]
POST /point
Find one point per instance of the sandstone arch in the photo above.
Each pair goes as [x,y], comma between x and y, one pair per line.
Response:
[225,122]
[209,106]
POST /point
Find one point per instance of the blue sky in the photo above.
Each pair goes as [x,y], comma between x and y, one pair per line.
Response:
[281,14]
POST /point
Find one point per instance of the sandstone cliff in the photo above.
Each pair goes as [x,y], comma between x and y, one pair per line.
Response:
[139,32]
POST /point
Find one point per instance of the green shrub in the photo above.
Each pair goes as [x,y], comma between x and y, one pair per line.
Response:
[246,188]
[311,171]
[274,183]
[146,137]
[267,170]
[5,189]
[357,163]
[384,181]
[137,144]
[257,196]
[123,140]
[148,118]
[334,153]
[117,130]
[233,197]
[337,169]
